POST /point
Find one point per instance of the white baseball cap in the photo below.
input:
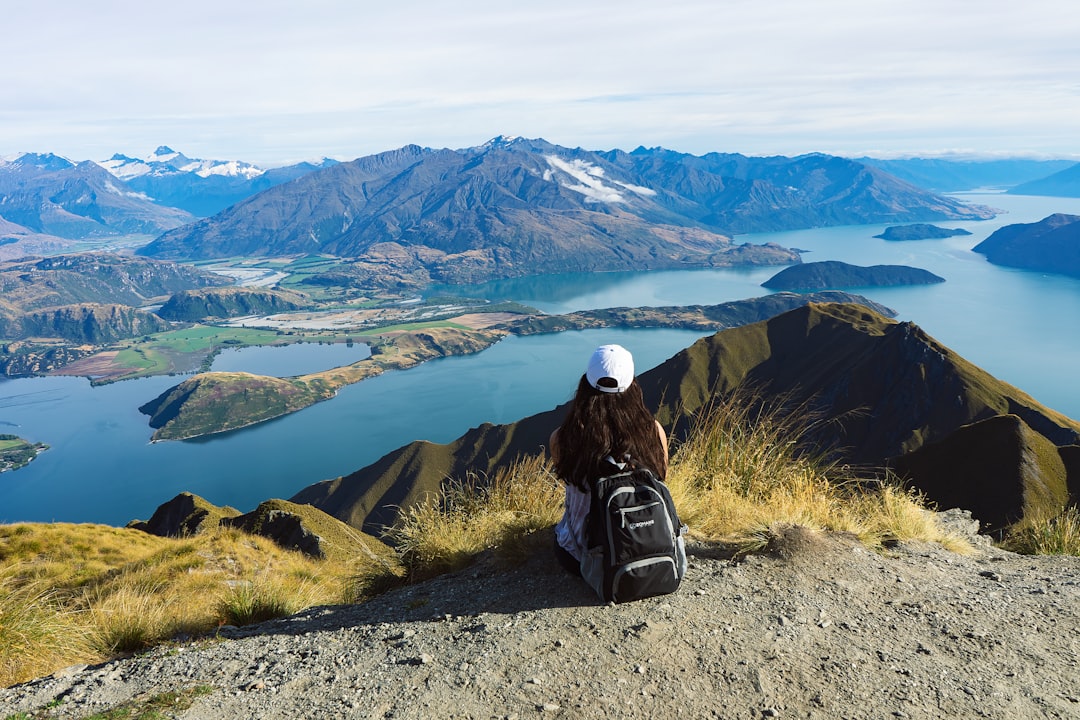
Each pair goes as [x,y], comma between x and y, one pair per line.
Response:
[611,369]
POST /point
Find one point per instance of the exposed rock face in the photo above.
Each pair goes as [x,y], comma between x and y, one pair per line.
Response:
[185,514]
[834,275]
[1050,245]
[195,305]
[919,231]
[284,527]
[295,527]
[880,389]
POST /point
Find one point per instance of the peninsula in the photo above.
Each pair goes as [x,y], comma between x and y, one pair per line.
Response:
[214,402]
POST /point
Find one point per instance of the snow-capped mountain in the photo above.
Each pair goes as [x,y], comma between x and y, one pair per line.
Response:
[200,187]
[166,161]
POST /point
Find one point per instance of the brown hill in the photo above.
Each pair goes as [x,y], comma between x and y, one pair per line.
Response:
[877,388]
[227,302]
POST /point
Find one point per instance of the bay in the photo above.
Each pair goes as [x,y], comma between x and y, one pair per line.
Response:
[1020,326]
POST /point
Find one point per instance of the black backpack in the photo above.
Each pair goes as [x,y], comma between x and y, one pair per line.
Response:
[634,538]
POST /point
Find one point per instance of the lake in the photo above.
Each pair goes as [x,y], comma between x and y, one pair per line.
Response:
[1020,326]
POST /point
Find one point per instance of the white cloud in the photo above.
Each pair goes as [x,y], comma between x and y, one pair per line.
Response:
[589,177]
[346,78]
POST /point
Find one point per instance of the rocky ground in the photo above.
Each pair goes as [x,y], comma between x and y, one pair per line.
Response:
[818,627]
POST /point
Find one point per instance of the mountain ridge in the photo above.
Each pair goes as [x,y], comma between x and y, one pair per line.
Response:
[881,389]
[512,207]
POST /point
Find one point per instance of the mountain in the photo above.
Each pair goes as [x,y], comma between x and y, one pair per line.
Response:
[35,283]
[226,302]
[878,390]
[515,207]
[835,275]
[93,324]
[942,175]
[200,187]
[1050,245]
[50,195]
[1065,183]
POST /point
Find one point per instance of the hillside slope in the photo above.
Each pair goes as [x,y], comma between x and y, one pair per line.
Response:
[818,628]
[874,388]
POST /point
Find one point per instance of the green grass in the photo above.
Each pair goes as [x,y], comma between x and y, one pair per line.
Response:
[12,443]
[205,337]
[408,327]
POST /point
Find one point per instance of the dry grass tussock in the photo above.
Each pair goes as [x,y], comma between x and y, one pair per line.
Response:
[1046,534]
[445,532]
[79,593]
[741,473]
[737,477]
[82,593]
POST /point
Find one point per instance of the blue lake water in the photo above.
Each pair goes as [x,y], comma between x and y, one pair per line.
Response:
[289,360]
[1020,326]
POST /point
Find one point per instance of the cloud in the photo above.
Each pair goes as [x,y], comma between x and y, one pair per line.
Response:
[345,78]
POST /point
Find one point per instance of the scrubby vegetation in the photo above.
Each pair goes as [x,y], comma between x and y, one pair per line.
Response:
[82,593]
[1046,534]
[77,593]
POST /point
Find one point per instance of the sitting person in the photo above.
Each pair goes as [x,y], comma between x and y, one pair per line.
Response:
[607,419]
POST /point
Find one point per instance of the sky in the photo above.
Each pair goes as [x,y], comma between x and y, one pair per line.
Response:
[275,82]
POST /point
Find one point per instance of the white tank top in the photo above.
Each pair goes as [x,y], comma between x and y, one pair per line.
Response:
[570,531]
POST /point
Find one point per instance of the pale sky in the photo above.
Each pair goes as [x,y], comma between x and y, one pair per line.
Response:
[273,82]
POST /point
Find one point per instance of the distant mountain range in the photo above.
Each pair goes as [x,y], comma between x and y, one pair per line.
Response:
[47,200]
[509,207]
[201,187]
[50,195]
[1065,183]
[945,175]
[514,207]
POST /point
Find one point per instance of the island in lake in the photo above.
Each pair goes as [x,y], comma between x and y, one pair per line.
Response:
[835,275]
[919,231]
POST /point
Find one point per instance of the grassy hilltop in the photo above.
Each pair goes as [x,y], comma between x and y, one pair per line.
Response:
[81,593]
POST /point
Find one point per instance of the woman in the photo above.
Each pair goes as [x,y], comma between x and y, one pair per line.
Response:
[607,419]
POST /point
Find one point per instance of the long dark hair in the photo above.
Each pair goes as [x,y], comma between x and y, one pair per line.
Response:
[601,424]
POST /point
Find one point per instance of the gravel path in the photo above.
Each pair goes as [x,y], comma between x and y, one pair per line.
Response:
[817,628]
